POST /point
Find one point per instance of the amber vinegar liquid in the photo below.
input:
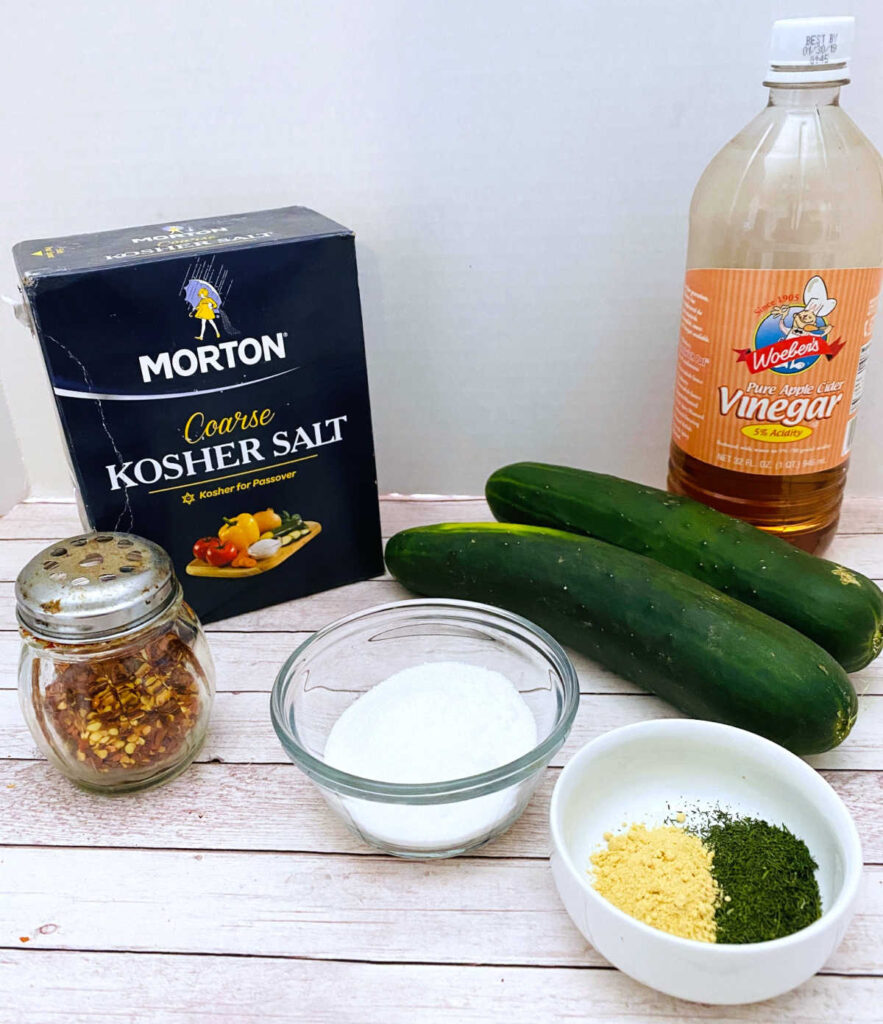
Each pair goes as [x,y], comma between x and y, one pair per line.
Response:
[800,187]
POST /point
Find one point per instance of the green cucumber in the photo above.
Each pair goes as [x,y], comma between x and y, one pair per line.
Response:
[707,654]
[288,524]
[294,534]
[837,607]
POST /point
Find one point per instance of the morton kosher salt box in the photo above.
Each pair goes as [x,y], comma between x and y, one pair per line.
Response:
[210,381]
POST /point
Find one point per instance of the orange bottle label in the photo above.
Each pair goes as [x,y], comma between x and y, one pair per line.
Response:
[770,366]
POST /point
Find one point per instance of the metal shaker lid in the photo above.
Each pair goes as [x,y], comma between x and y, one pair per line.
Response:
[94,587]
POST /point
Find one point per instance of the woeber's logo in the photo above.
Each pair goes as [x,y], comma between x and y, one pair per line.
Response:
[792,337]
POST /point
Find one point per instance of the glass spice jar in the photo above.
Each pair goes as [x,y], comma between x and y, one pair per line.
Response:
[116,680]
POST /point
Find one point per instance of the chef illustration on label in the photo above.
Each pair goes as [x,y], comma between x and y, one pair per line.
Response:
[795,322]
[204,302]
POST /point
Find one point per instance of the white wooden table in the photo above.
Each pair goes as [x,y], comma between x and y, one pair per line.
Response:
[231,895]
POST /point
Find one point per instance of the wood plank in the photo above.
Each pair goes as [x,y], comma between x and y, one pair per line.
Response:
[241,732]
[47,521]
[243,662]
[14,554]
[54,520]
[306,614]
[473,910]
[861,515]
[43,986]
[275,807]
[862,552]
[403,513]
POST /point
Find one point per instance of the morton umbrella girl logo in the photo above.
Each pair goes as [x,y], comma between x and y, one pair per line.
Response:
[204,301]
[205,289]
[792,337]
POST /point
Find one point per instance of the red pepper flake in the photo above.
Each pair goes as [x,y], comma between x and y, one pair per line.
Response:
[126,712]
[24,938]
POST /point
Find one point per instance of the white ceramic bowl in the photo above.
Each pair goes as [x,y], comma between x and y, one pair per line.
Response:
[635,774]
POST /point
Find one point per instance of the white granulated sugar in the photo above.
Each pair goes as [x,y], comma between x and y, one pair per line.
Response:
[433,723]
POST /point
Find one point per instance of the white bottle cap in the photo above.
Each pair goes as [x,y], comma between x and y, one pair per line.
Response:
[811,50]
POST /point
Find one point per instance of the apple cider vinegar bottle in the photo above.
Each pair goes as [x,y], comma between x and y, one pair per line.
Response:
[780,296]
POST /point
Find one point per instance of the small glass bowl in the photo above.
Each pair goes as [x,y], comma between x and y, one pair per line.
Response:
[332,669]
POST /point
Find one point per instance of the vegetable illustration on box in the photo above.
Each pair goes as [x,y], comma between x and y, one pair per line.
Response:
[248,545]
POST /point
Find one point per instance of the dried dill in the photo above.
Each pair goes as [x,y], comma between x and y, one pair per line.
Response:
[767,875]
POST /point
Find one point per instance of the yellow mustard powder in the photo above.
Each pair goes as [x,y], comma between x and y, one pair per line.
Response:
[662,876]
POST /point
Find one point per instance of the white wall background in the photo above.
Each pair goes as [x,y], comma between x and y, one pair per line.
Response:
[518,176]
